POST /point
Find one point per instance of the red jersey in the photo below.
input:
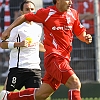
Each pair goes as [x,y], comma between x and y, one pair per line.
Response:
[58,29]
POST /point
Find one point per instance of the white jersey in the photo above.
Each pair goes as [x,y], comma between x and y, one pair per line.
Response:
[25,57]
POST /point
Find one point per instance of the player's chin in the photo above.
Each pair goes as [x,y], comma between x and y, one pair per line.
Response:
[68,7]
[89,42]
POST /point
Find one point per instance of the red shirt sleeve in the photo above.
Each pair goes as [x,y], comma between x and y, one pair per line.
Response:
[78,28]
[29,16]
[39,17]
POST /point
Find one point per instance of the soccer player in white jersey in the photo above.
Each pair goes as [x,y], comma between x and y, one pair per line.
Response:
[24,68]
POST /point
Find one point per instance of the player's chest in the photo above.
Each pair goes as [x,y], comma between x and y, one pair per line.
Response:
[61,22]
[29,32]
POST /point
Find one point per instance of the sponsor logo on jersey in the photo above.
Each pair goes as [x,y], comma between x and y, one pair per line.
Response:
[62,28]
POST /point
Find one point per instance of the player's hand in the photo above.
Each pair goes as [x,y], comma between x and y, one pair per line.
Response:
[27,42]
[24,43]
[5,35]
[88,38]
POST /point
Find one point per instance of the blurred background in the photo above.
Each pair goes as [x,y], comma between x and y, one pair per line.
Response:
[85,59]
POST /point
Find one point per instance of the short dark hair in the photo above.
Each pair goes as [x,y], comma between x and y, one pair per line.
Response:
[25,1]
[54,1]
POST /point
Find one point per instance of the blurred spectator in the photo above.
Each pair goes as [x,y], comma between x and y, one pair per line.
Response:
[14,9]
[4,14]
[47,3]
[4,23]
[86,10]
[86,13]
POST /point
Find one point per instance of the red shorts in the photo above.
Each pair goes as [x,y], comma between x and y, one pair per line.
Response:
[58,71]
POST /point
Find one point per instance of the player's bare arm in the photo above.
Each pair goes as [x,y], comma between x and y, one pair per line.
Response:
[17,22]
[87,38]
[4,44]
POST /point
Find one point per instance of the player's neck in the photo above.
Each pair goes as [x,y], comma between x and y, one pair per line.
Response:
[61,9]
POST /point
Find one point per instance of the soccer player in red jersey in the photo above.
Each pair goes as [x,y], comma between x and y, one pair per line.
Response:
[59,23]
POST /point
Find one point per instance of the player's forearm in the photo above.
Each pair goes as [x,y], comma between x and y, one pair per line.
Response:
[10,45]
[17,22]
[81,37]
[87,38]
[4,45]
[18,44]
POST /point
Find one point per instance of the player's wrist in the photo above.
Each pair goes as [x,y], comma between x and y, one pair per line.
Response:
[11,45]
